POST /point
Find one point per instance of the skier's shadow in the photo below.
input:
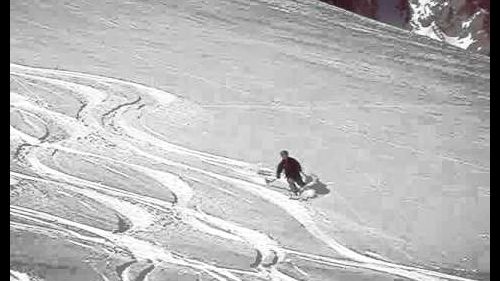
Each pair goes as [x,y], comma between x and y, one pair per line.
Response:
[319,187]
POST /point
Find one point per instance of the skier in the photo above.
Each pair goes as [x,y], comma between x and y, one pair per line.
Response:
[292,172]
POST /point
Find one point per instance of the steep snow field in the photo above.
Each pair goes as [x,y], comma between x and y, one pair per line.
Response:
[138,130]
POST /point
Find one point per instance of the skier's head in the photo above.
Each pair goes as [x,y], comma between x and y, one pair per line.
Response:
[284,154]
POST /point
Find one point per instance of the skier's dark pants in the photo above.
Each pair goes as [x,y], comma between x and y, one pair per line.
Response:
[295,179]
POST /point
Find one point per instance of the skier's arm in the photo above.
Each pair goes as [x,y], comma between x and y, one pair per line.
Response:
[299,168]
[279,170]
[297,165]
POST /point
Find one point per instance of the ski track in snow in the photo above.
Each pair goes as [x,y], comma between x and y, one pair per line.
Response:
[122,124]
[18,276]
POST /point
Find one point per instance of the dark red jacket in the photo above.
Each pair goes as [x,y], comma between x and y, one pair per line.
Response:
[291,166]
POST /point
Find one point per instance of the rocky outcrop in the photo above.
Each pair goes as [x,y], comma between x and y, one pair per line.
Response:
[462,23]
[367,8]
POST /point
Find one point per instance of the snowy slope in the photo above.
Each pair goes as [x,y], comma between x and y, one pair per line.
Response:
[138,129]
